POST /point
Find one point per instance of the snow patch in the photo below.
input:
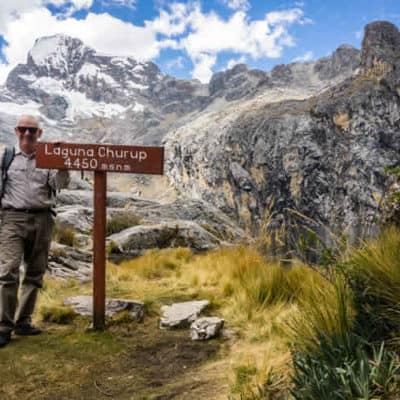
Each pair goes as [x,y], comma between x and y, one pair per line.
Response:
[135,85]
[138,107]
[29,78]
[91,71]
[10,108]
[78,103]
[44,48]
[122,61]
[138,68]
[55,51]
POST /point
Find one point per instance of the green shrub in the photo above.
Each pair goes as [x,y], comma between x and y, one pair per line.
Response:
[118,223]
[334,373]
[373,271]
[345,351]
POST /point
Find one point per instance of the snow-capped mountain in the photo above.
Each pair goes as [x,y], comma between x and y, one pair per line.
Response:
[73,86]
[85,95]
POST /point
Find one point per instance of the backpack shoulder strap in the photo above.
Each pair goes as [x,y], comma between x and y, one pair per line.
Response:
[8,157]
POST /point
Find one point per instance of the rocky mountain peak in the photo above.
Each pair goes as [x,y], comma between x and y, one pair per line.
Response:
[58,55]
[236,82]
[344,60]
[380,46]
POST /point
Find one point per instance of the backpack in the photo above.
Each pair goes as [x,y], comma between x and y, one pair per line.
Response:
[8,157]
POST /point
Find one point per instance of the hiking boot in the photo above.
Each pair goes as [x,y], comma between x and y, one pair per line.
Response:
[27,330]
[5,338]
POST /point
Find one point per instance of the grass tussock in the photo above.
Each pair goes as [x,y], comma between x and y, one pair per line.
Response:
[241,275]
[118,223]
[254,296]
[326,312]
[346,355]
[373,271]
[154,264]
[57,315]
[63,234]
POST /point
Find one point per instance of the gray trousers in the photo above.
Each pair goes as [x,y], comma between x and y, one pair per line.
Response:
[23,237]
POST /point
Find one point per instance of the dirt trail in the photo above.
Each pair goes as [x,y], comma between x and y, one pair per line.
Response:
[152,364]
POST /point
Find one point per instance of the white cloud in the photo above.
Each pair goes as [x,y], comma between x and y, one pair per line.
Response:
[203,67]
[237,4]
[71,5]
[358,34]
[234,61]
[120,3]
[178,63]
[13,9]
[307,56]
[76,4]
[210,35]
[173,22]
[180,26]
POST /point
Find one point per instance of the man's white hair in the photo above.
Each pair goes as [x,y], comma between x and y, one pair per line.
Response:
[30,116]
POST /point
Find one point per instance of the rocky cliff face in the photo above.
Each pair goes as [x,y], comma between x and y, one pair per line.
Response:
[321,155]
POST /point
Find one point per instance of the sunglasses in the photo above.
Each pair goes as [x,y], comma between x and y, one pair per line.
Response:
[32,130]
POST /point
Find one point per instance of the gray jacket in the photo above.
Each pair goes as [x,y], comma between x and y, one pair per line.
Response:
[30,187]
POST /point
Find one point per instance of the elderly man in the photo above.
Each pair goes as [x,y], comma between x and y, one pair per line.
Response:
[27,198]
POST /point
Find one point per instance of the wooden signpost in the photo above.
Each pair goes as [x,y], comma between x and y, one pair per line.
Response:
[100,158]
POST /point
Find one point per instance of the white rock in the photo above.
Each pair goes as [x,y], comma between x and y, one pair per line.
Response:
[181,315]
[206,328]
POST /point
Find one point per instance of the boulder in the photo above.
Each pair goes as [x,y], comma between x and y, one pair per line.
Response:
[206,328]
[67,262]
[114,199]
[203,213]
[73,197]
[167,234]
[181,315]
[83,305]
[75,212]
[77,217]
[77,183]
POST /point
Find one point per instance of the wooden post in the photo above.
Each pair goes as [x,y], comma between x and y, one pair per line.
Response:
[99,249]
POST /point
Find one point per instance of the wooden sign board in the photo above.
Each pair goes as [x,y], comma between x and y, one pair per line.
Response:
[100,157]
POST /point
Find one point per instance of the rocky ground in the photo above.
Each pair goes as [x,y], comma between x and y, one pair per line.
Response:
[129,361]
[140,224]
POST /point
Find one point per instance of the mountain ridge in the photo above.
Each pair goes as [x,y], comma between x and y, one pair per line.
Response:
[71,84]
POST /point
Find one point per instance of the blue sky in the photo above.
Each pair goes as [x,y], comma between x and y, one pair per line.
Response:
[194,38]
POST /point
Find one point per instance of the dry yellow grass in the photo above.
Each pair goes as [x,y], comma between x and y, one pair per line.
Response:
[257,299]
